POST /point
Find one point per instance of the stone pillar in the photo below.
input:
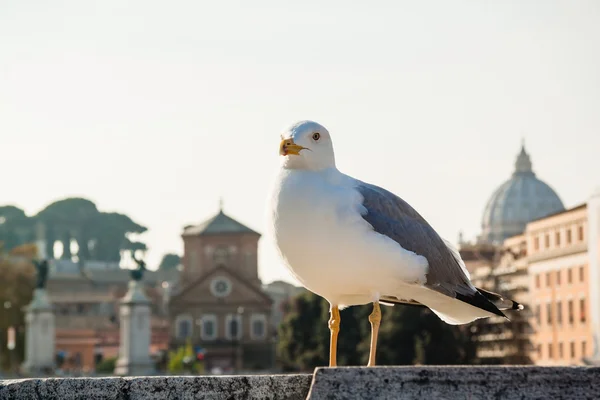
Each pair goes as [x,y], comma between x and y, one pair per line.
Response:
[593,234]
[134,348]
[39,335]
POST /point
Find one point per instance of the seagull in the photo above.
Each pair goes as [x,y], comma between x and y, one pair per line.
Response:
[355,243]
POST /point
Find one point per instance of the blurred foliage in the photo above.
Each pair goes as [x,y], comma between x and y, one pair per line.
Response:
[169,261]
[407,336]
[106,366]
[17,281]
[183,361]
[100,235]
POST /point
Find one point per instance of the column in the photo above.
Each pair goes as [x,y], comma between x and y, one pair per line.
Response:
[39,335]
[134,348]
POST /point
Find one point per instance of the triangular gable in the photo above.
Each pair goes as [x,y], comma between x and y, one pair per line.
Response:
[199,290]
[219,224]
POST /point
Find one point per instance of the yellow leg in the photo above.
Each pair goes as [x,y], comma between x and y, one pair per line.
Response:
[375,319]
[334,327]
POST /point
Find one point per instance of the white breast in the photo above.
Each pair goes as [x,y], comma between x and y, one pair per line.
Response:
[328,246]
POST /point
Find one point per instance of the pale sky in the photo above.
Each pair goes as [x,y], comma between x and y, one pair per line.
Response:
[156,109]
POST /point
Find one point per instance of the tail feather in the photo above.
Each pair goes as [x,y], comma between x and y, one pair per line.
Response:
[501,302]
[477,299]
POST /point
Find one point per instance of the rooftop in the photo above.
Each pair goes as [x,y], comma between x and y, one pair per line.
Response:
[519,200]
[217,225]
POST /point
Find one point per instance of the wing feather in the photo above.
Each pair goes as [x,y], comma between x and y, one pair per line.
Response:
[393,217]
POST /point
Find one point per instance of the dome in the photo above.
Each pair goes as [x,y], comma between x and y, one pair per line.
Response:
[521,199]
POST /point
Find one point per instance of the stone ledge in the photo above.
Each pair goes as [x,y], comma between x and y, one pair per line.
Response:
[454,382]
[271,387]
[444,382]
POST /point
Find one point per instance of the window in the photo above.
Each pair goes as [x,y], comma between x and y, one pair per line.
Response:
[548,279]
[536,243]
[183,326]
[549,313]
[233,324]
[570,311]
[580,233]
[569,276]
[557,239]
[208,327]
[569,236]
[221,256]
[583,348]
[559,313]
[538,314]
[550,352]
[572,349]
[234,328]
[560,350]
[220,286]
[193,260]
[558,273]
[537,280]
[581,274]
[248,259]
[582,316]
[539,350]
[547,241]
[259,326]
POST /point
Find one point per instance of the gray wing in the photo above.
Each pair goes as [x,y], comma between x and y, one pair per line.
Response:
[393,217]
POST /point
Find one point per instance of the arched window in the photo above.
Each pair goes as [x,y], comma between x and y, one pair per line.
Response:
[221,256]
[258,326]
[208,327]
[183,327]
[233,327]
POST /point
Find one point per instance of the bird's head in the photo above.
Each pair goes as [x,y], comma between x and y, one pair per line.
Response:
[307,145]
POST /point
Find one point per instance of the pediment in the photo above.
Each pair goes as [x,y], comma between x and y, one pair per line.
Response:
[221,286]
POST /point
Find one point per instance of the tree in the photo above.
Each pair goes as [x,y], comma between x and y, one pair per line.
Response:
[15,227]
[99,235]
[408,335]
[17,281]
[169,261]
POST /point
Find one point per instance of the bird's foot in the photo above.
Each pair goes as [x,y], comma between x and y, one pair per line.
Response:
[375,320]
[334,327]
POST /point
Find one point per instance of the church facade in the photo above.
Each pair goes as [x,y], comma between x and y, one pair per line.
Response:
[220,306]
[544,256]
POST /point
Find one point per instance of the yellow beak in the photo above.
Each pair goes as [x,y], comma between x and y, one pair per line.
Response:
[287,146]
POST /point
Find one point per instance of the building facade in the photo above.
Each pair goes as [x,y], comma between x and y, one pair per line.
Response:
[560,287]
[502,341]
[533,250]
[86,307]
[219,305]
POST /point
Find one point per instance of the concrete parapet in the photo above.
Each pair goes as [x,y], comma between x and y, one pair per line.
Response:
[444,382]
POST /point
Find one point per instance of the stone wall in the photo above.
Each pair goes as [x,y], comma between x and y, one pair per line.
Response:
[330,383]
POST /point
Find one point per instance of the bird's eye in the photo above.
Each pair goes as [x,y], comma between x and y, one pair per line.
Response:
[316,136]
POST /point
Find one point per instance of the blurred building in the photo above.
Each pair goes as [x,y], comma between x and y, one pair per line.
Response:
[215,299]
[503,258]
[560,287]
[220,305]
[519,200]
[533,250]
[86,304]
[502,341]
[281,292]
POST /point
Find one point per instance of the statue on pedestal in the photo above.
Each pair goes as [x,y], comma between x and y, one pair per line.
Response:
[42,269]
[138,273]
